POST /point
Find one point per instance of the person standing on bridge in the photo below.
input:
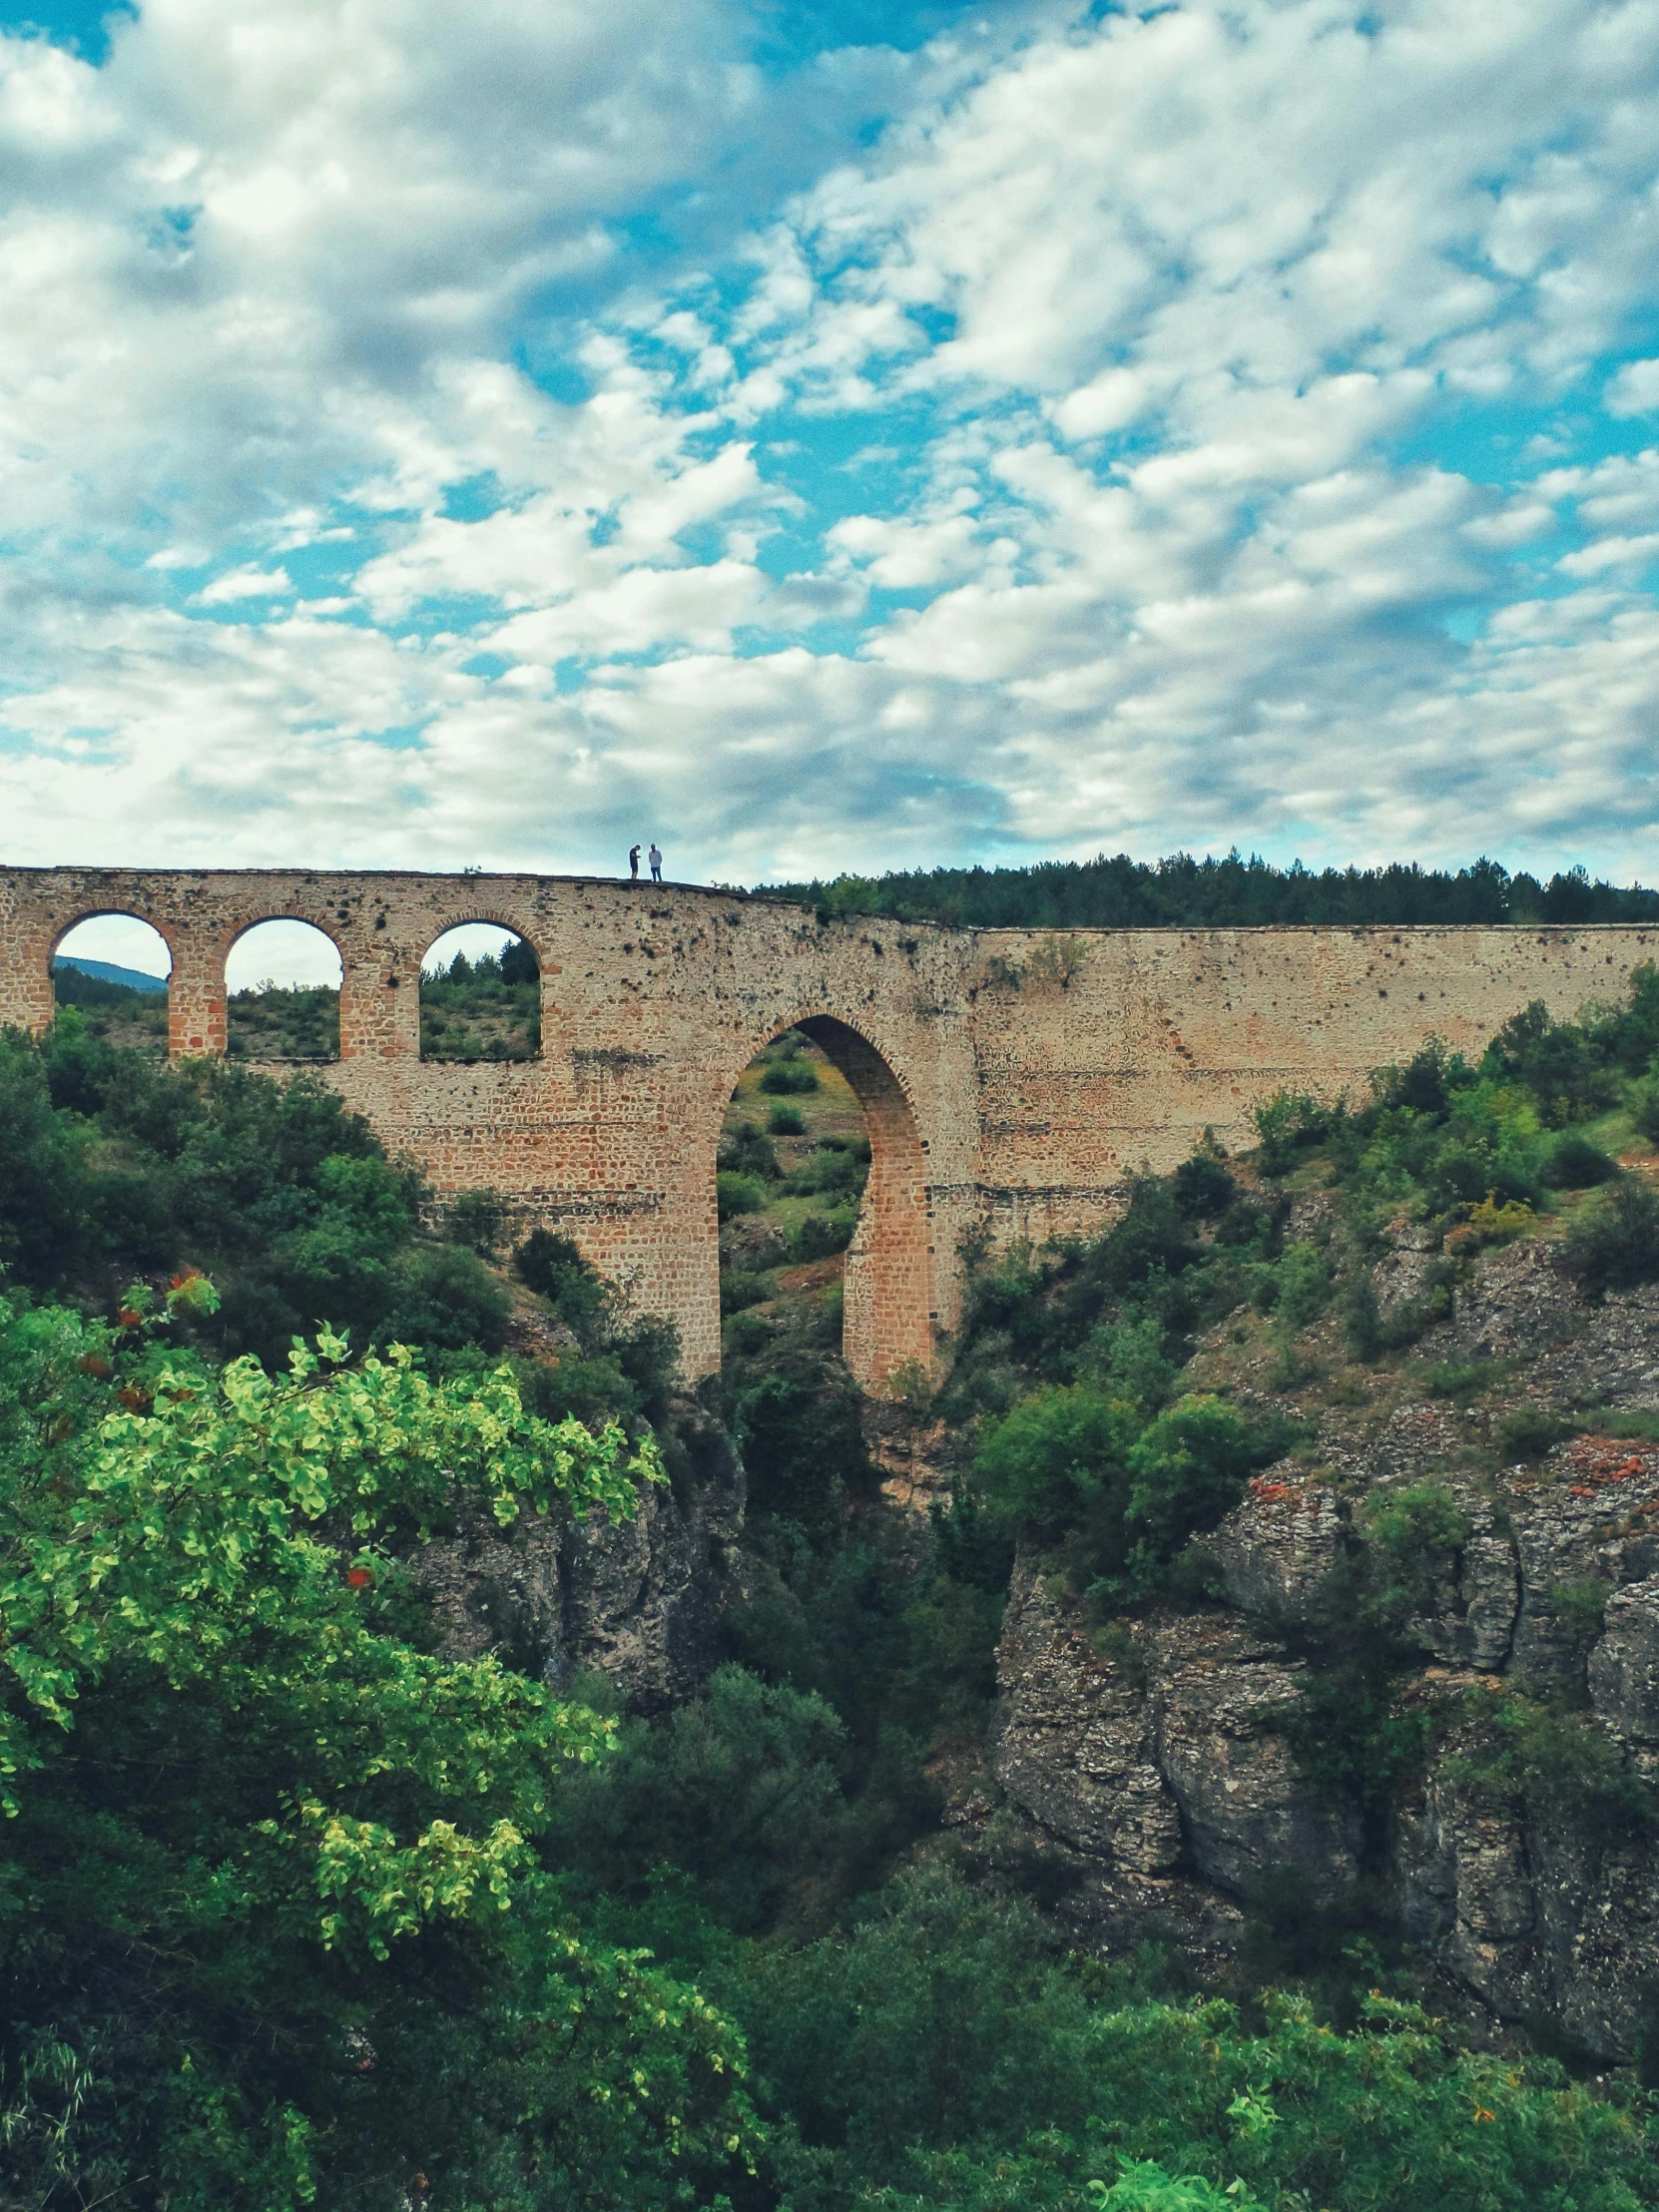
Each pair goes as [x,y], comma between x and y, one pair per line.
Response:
[656,860]
[632,864]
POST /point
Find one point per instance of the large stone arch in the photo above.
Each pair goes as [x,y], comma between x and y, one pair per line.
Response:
[889,1312]
[891,1305]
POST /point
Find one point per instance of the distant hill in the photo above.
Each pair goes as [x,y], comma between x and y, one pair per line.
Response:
[133,980]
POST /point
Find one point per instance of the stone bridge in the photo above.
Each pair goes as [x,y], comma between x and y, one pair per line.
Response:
[1010,1079]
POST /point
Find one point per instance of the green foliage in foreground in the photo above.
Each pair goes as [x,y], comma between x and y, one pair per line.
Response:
[273,1926]
[939,2054]
[112,1165]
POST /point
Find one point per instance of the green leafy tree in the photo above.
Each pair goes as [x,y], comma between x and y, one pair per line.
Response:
[275,1926]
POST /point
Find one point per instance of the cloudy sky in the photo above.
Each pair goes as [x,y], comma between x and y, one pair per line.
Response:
[828,434]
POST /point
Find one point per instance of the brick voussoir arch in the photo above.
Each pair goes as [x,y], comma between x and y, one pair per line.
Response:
[493,918]
[890,1288]
[128,909]
[502,917]
[285,913]
[201,1023]
[125,912]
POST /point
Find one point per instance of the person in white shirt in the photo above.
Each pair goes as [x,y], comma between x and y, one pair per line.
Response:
[656,860]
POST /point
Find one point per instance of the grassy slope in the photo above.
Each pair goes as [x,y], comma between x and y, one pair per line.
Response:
[766,1287]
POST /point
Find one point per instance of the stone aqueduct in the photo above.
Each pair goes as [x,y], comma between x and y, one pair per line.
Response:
[1010,1079]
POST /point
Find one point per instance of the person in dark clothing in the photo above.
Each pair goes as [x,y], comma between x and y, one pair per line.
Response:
[656,860]
[633,862]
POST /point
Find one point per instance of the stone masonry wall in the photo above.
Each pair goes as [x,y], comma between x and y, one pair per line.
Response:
[1008,1078]
[1097,1051]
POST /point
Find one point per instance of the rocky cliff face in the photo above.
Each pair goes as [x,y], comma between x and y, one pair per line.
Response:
[1160,1764]
[638,1602]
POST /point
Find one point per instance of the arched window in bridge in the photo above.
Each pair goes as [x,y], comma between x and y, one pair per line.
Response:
[480,996]
[281,993]
[791,1171]
[113,968]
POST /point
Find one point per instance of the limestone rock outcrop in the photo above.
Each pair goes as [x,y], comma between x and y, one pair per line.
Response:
[638,1601]
[1157,1757]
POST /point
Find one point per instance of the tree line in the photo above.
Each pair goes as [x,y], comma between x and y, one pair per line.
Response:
[1115,892]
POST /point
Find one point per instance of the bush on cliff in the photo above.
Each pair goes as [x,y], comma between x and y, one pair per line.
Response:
[1617,1244]
[1112,1492]
[629,1363]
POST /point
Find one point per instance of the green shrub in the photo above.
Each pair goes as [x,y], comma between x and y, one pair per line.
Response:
[739,1789]
[1361,1314]
[747,1150]
[1460,1379]
[1628,1035]
[786,1121]
[273,1188]
[553,1265]
[1529,1431]
[1580,1608]
[1204,1187]
[1146,2187]
[1572,1163]
[1056,1457]
[1425,1085]
[1522,1749]
[789,1078]
[745,1333]
[1644,1110]
[44,1190]
[1132,1361]
[1290,1126]
[829,1168]
[741,1287]
[1416,1530]
[941,2039]
[647,1350]
[478,1220]
[1562,1064]
[1188,1469]
[1618,1243]
[818,1236]
[739,1194]
[799,1428]
[1302,1281]
[443,1296]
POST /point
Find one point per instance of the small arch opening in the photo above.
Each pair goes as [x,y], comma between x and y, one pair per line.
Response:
[114,969]
[480,996]
[821,1199]
[281,993]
